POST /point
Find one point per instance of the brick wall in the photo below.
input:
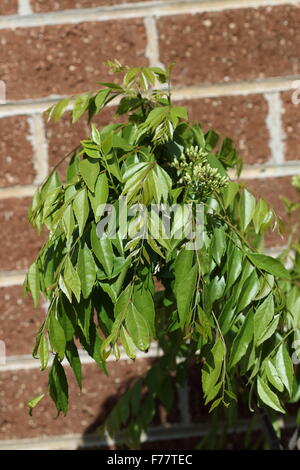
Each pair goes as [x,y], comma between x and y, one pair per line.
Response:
[237,61]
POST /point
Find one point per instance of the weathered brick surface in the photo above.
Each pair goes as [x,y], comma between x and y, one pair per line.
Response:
[63,136]
[8,7]
[291,125]
[53,5]
[19,320]
[16,152]
[19,241]
[232,45]
[270,189]
[66,59]
[242,118]
[86,411]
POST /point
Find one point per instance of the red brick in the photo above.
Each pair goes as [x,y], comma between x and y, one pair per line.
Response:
[67,59]
[270,189]
[19,241]
[16,152]
[63,136]
[291,125]
[8,7]
[231,45]
[86,410]
[19,320]
[52,5]
[242,118]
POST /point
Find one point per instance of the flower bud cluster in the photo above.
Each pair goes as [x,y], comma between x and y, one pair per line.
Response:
[194,170]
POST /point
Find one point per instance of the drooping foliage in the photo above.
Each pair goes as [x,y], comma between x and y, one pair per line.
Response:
[221,305]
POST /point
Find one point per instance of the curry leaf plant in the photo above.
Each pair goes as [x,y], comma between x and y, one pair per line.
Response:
[219,304]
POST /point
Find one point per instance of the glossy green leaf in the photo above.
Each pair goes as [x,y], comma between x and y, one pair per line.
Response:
[89,171]
[86,269]
[263,317]
[74,361]
[234,262]
[72,279]
[103,250]
[267,396]
[185,282]
[143,301]
[247,207]
[218,245]
[269,264]
[284,367]
[242,340]
[127,343]
[212,367]
[137,328]
[57,336]
[69,221]
[43,352]
[249,291]
[273,376]
[58,386]
[80,106]
[81,209]
[34,283]
[99,198]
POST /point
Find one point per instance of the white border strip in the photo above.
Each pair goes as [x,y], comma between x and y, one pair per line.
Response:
[137,10]
[27,362]
[154,434]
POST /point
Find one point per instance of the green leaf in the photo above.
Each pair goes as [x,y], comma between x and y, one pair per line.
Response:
[249,291]
[74,361]
[247,207]
[99,198]
[212,368]
[57,110]
[57,336]
[43,352]
[229,193]
[67,317]
[204,323]
[69,221]
[269,331]
[81,209]
[86,269]
[263,317]
[262,216]
[269,264]
[123,302]
[80,106]
[218,245]
[143,301]
[127,343]
[267,396]
[72,279]
[58,386]
[84,316]
[137,328]
[185,282]
[89,171]
[234,267]
[215,404]
[242,340]
[284,367]
[34,402]
[273,376]
[103,250]
[100,99]
[34,283]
